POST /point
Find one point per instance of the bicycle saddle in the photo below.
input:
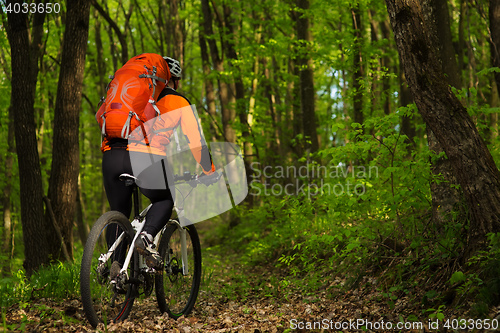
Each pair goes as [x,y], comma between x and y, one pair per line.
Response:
[128,179]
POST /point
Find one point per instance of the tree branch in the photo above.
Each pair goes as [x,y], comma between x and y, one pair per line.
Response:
[121,36]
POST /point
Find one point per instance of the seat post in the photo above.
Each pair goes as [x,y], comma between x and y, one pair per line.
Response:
[135,197]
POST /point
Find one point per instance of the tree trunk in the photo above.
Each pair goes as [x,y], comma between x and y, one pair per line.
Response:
[81,215]
[63,182]
[209,86]
[387,62]
[445,197]
[455,131]
[240,102]
[177,29]
[381,83]
[100,63]
[293,105]
[357,103]
[122,36]
[407,126]
[495,38]
[225,93]
[24,76]
[306,74]
[7,190]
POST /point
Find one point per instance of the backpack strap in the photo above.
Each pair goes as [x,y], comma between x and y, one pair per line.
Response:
[103,129]
[153,103]
[111,77]
[176,138]
[126,127]
[152,75]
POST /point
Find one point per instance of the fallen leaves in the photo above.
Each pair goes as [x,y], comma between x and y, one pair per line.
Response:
[243,302]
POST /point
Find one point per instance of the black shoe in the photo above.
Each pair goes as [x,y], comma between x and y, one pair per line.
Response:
[145,246]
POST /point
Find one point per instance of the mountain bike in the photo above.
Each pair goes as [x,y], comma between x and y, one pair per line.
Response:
[113,276]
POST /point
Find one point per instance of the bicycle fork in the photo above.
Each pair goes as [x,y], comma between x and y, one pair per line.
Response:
[184,255]
[185,268]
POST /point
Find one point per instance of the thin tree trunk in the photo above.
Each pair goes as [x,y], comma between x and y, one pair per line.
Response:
[81,215]
[358,115]
[122,36]
[101,64]
[306,74]
[494,16]
[293,98]
[240,102]
[177,30]
[494,102]
[387,63]
[7,191]
[407,126]
[209,86]
[283,117]
[377,82]
[225,93]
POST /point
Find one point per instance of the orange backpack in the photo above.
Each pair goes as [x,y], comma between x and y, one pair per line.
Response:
[133,86]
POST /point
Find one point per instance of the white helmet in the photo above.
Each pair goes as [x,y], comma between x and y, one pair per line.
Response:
[174,66]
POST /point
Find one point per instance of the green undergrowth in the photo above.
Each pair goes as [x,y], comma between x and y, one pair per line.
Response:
[381,237]
[281,255]
[59,281]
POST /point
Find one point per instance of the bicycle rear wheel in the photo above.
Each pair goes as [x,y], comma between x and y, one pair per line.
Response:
[102,300]
[177,292]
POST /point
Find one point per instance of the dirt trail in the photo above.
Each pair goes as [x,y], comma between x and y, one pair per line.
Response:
[210,315]
[223,308]
[238,299]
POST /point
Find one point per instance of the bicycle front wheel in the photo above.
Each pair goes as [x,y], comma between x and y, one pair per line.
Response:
[178,285]
[108,242]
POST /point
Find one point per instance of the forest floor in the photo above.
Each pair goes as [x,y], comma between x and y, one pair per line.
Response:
[220,313]
[242,298]
[282,311]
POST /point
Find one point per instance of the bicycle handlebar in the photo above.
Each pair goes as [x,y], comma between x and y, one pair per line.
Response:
[187,177]
[194,179]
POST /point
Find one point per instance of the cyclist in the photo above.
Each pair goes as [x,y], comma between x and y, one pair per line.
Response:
[117,160]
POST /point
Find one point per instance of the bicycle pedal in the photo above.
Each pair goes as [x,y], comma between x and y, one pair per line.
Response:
[154,264]
[151,271]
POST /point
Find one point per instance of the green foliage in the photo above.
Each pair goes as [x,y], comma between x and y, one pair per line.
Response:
[57,281]
[361,205]
[481,278]
[342,213]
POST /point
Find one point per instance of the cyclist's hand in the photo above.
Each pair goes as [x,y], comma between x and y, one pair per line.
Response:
[209,179]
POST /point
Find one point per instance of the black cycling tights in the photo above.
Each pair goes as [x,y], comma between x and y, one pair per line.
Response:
[114,163]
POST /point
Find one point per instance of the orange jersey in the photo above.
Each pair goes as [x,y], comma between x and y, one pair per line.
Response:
[175,111]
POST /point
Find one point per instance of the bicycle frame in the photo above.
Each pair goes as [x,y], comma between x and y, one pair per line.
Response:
[138,224]
[108,291]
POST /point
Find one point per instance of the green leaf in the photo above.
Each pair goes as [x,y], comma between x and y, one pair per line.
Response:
[457,277]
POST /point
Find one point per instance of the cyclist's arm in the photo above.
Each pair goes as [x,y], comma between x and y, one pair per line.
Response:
[191,129]
[176,110]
